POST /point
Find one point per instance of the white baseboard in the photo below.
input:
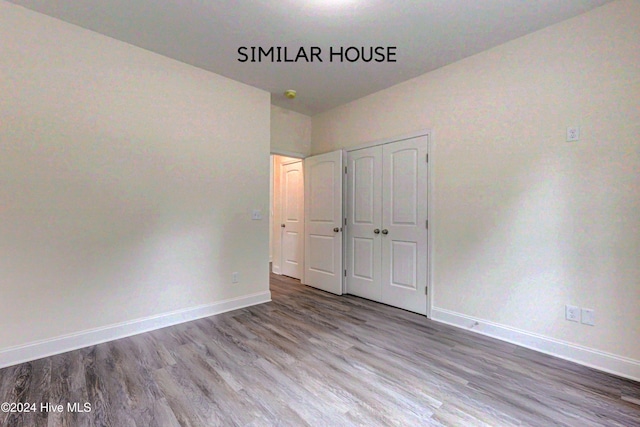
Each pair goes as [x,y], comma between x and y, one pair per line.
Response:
[49,347]
[275,269]
[607,362]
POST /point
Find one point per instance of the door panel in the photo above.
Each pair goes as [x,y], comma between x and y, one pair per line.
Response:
[404,216]
[364,215]
[292,212]
[363,258]
[322,179]
[321,254]
[364,170]
[403,185]
[403,264]
[323,215]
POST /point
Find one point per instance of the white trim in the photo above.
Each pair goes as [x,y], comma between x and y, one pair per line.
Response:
[343,220]
[607,362]
[416,134]
[288,154]
[49,347]
[431,240]
[302,253]
[291,161]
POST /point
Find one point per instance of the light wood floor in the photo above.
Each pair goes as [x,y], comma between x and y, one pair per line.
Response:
[311,358]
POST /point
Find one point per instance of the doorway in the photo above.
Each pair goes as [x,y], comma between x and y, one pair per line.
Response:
[360,228]
[287,216]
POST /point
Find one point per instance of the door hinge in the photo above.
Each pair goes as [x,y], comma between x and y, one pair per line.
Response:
[426,290]
[427,157]
[427,224]
[345,221]
[345,273]
[345,169]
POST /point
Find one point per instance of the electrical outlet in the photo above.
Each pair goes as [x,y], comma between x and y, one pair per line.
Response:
[588,317]
[235,277]
[573,133]
[572,313]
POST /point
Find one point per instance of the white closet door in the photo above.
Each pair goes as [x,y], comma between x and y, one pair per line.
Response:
[364,217]
[404,232]
[323,221]
[292,226]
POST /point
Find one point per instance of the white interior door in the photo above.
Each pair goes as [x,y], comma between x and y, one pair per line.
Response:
[364,220]
[292,216]
[404,224]
[323,222]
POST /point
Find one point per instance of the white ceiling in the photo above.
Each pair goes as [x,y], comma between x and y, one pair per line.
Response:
[428,34]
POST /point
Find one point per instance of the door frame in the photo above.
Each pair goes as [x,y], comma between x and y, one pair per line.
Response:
[430,205]
[297,157]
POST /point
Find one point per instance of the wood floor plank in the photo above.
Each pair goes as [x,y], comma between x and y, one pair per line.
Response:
[38,392]
[185,411]
[222,397]
[310,358]
[95,373]
[67,384]
[161,415]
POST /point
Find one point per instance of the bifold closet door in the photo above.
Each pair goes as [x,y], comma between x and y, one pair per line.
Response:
[404,218]
[364,217]
[386,224]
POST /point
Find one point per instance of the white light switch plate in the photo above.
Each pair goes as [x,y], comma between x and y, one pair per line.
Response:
[588,317]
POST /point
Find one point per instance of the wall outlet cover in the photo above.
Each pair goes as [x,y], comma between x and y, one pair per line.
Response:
[572,313]
[573,133]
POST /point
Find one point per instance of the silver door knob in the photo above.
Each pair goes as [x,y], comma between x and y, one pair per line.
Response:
[376,231]
[335,230]
[385,231]
[282,225]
